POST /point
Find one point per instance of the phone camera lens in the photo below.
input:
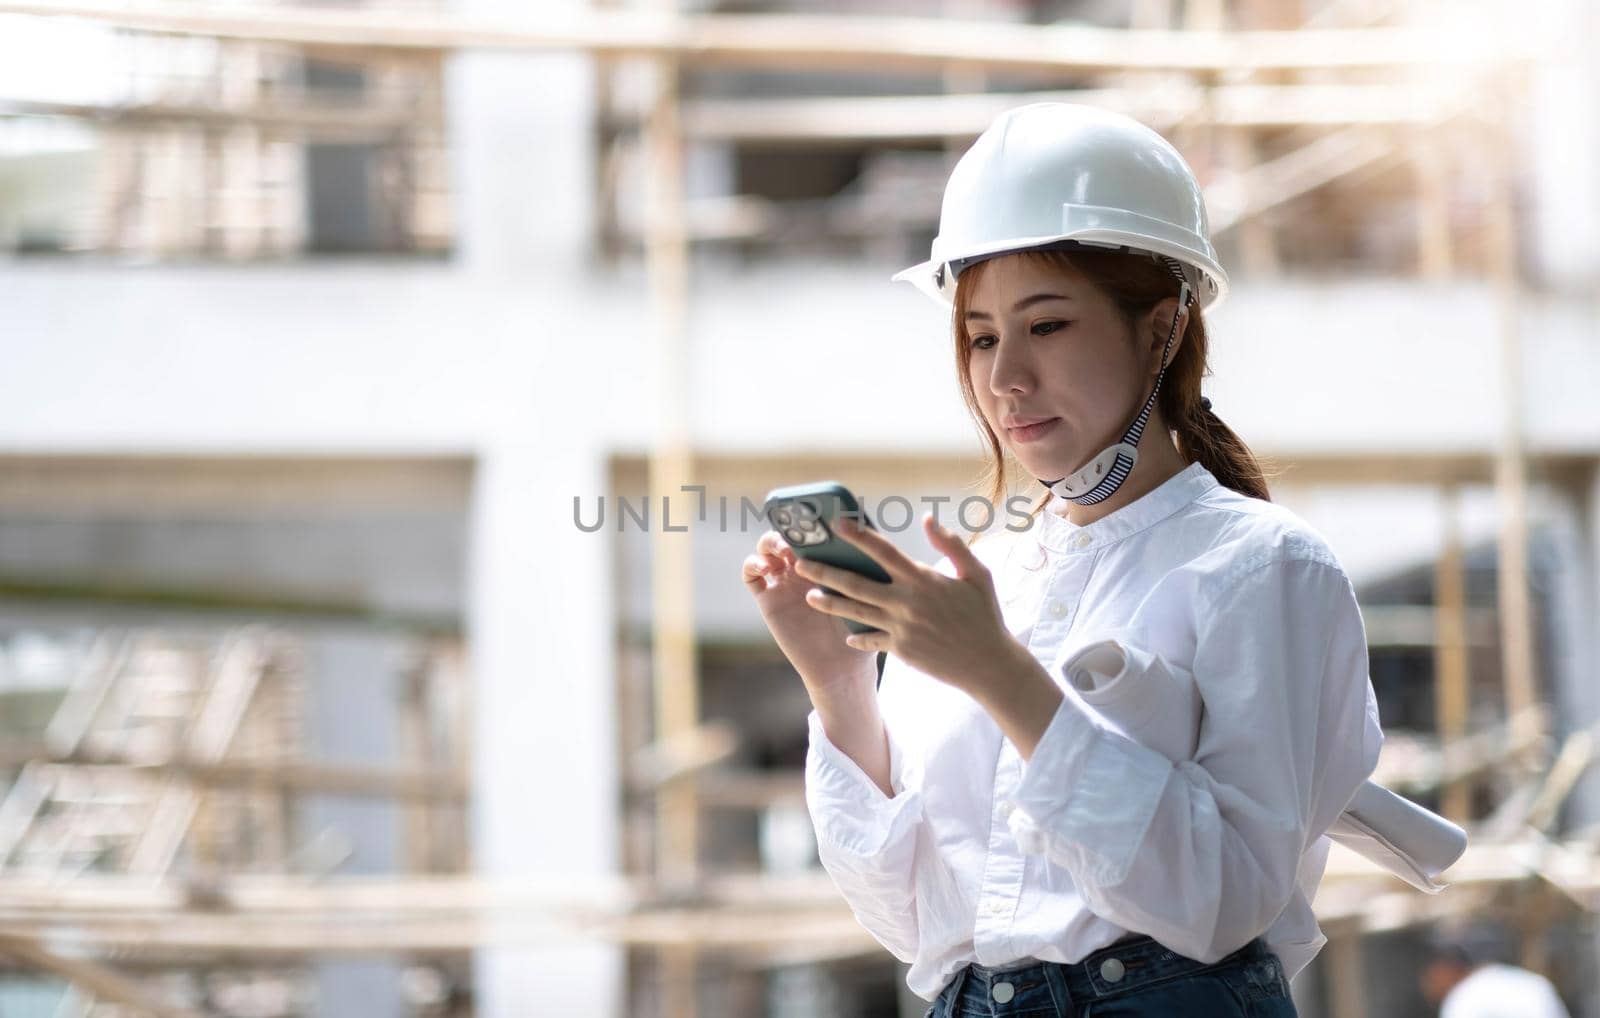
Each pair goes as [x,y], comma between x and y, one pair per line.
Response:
[793,536]
[805,510]
[781,517]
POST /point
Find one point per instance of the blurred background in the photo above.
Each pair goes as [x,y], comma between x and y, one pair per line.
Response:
[335,680]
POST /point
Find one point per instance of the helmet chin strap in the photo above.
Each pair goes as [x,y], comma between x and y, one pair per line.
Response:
[1099,479]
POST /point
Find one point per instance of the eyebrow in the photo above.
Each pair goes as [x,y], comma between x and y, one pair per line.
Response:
[1023,303]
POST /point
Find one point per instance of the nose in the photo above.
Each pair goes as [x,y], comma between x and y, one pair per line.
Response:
[1010,370]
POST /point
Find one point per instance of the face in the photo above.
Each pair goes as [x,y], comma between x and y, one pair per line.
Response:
[1048,346]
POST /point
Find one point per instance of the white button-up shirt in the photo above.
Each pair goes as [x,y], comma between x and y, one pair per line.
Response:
[982,856]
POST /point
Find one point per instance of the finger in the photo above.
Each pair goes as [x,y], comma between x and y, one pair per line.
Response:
[852,584]
[772,543]
[756,568]
[951,544]
[759,567]
[877,547]
[845,608]
[874,642]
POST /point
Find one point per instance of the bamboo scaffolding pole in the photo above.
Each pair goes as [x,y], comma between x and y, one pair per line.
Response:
[300,776]
[286,916]
[856,119]
[1347,982]
[164,484]
[1435,254]
[674,658]
[1265,186]
[104,982]
[733,474]
[314,121]
[1452,680]
[1511,467]
[417,845]
[702,757]
[823,43]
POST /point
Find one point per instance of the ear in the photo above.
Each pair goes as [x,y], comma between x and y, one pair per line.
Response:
[1160,324]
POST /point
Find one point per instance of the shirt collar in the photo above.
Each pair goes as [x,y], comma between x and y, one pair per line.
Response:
[1058,533]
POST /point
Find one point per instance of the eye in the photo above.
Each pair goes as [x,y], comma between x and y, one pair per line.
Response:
[984,342]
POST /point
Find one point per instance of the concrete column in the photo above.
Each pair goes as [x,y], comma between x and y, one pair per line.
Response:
[1561,187]
[546,796]
[520,129]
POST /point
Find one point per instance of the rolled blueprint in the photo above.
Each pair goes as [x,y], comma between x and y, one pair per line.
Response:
[1158,704]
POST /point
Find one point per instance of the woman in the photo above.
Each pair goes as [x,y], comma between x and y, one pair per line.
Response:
[1017,846]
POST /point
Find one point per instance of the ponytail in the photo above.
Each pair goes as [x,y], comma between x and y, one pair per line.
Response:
[1203,438]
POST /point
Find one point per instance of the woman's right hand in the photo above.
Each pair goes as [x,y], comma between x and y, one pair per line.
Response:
[811,639]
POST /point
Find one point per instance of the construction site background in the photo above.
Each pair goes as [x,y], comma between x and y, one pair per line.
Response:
[325,327]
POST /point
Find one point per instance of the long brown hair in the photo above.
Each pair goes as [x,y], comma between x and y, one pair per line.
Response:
[1135,284]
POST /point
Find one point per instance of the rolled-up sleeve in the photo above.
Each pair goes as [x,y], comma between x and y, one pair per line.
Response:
[866,840]
[1203,854]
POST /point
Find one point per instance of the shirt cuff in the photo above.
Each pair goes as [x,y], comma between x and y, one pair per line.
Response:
[847,806]
[1090,791]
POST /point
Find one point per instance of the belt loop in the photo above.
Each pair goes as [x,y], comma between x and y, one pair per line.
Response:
[956,987]
[1056,981]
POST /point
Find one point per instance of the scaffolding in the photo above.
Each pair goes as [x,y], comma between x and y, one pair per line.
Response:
[1275,104]
[172,745]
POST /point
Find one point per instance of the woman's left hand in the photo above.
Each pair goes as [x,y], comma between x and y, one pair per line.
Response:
[949,627]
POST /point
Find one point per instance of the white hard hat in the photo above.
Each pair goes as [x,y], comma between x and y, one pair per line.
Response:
[1049,172]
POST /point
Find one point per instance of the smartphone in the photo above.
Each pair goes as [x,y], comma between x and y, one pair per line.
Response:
[805,514]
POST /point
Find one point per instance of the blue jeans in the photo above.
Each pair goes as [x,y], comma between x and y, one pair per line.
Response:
[1134,978]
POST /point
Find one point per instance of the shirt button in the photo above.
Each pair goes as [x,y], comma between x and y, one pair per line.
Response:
[1058,609]
[1003,992]
[1082,540]
[1111,970]
[1006,806]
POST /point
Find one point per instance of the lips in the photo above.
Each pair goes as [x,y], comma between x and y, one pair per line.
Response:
[1022,421]
[1029,432]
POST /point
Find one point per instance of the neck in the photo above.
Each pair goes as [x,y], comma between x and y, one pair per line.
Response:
[1158,462]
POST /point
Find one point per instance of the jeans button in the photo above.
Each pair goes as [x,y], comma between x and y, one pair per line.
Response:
[1112,970]
[1003,992]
